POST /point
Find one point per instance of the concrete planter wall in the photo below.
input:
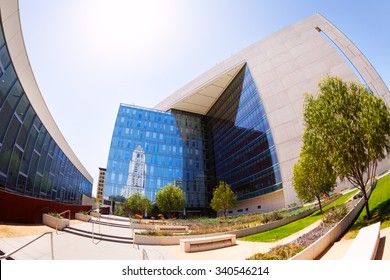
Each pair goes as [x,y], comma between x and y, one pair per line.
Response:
[54,222]
[82,217]
[171,229]
[145,221]
[167,240]
[317,248]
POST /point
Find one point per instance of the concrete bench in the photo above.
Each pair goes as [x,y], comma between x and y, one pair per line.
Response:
[207,243]
[365,245]
[172,229]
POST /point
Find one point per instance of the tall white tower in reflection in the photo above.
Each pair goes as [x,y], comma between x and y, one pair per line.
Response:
[137,173]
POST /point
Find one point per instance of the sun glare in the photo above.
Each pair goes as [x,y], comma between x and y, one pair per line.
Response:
[127,25]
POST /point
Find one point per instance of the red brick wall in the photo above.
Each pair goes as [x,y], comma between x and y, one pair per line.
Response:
[16,208]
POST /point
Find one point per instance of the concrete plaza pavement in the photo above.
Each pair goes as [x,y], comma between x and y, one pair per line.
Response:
[68,246]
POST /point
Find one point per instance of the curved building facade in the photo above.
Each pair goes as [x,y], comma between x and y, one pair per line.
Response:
[246,119]
[35,159]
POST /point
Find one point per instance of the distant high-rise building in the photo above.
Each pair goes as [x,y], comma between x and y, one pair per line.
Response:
[100,186]
[136,177]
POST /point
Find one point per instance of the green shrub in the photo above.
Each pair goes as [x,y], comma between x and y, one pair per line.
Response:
[55,215]
[272,216]
[120,212]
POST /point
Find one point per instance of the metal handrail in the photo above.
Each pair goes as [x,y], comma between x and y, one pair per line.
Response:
[61,216]
[132,231]
[28,243]
[93,228]
[91,210]
[64,213]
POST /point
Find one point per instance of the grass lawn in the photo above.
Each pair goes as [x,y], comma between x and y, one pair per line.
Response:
[291,228]
[379,204]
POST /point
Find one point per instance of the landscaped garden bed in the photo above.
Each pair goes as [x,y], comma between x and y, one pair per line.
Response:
[286,251]
[241,226]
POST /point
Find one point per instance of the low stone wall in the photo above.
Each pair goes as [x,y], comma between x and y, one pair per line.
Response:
[167,239]
[317,248]
[171,229]
[146,221]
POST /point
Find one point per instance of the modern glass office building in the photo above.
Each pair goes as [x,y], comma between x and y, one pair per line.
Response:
[240,122]
[232,143]
[35,160]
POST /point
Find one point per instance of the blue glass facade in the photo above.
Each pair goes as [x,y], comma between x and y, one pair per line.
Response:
[173,148]
[233,143]
[31,162]
[239,145]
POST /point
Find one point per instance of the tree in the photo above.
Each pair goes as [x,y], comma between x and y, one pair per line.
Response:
[138,204]
[223,198]
[352,126]
[313,174]
[170,199]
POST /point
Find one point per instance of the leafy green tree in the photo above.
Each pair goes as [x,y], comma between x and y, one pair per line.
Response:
[313,174]
[170,199]
[352,126]
[223,198]
[138,204]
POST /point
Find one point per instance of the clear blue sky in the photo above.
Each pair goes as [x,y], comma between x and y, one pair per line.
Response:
[88,56]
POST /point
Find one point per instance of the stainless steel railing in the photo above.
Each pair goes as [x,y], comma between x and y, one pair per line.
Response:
[93,227]
[61,216]
[28,243]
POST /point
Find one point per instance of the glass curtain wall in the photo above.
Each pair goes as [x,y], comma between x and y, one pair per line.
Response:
[239,146]
[151,149]
[31,162]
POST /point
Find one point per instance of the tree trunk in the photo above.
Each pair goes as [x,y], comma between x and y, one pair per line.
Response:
[319,203]
[366,203]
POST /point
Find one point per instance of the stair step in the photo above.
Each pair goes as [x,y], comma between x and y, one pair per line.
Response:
[109,224]
[99,236]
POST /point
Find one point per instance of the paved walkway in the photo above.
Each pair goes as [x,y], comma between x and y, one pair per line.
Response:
[68,246]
